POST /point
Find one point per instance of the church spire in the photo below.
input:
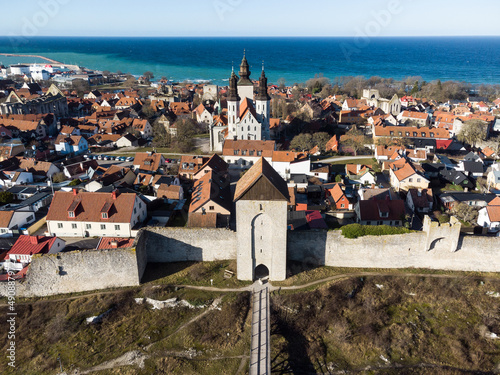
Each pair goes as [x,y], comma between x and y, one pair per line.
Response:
[262,91]
[232,95]
[245,71]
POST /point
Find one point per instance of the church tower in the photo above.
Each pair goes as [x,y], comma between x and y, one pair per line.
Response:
[233,106]
[245,85]
[263,106]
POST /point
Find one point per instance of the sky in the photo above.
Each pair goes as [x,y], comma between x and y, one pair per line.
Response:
[249,18]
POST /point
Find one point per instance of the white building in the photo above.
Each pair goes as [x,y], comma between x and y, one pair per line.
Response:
[84,214]
[489,216]
[11,221]
[248,115]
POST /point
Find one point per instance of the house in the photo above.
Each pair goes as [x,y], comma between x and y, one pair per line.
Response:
[421,118]
[14,178]
[215,164]
[420,200]
[457,178]
[493,179]
[380,212]
[127,140]
[173,192]
[84,214]
[190,165]
[405,177]
[288,163]
[82,170]
[143,127]
[38,168]
[211,196]
[360,173]
[12,221]
[27,246]
[108,243]
[75,145]
[471,168]
[203,115]
[409,132]
[453,198]
[321,171]
[489,216]
[242,154]
[115,176]
[383,153]
[10,149]
[337,198]
[148,162]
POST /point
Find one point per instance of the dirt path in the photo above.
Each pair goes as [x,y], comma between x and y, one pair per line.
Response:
[383,274]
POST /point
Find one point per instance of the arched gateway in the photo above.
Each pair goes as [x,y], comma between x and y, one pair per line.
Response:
[261,217]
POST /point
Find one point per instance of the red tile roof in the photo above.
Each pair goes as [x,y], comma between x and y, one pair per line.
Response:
[30,245]
[106,243]
[89,205]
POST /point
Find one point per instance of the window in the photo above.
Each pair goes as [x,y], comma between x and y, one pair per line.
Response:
[3,231]
[140,204]
[88,226]
[103,226]
[59,225]
[259,153]
[29,218]
[71,213]
[415,134]
[342,205]
[400,134]
[117,227]
[423,134]
[407,134]
[73,226]
[410,180]
[104,215]
[135,210]
[368,223]
[251,152]
[211,208]
[419,179]
[236,152]
[244,152]
[392,133]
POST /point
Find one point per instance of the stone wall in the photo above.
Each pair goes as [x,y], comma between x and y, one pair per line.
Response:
[79,271]
[472,253]
[164,245]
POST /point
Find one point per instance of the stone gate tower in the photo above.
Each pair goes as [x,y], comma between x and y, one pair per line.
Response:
[261,198]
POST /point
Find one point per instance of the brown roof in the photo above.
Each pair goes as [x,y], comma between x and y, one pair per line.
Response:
[288,156]
[372,209]
[215,163]
[410,131]
[89,207]
[266,147]
[169,191]
[261,169]
[493,213]
[5,218]
[404,172]
[148,161]
[337,192]
[212,187]
[416,115]
[422,197]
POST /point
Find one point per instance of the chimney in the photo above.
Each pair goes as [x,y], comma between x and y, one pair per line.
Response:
[114,244]
[114,194]
[34,240]
[75,191]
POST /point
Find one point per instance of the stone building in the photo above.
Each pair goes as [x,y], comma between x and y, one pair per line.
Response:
[54,101]
[261,198]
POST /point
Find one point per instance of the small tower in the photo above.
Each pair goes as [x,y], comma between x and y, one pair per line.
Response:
[245,84]
[263,106]
[233,106]
[261,198]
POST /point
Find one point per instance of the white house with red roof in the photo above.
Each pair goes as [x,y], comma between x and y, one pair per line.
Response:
[489,216]
[85,214]
[25,247]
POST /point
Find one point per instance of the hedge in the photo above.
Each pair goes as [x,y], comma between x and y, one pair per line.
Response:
[358,230]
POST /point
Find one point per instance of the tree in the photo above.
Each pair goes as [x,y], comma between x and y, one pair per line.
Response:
[186,130]
[80,86]
[415,88]
[302,142]
[6,197]
[466,213]
[316,84]
[354,139]
[148,75]
[106,73]
[473,131]
[320,139]
[281,83]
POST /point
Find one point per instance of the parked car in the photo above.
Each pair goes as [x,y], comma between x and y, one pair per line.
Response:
[130,158]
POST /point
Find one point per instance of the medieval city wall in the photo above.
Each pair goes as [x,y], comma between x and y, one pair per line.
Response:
[471,253]
[164,245]
[78,271]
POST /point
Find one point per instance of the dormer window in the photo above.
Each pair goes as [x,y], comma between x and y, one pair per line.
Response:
[104,215]
[259,153]
[71,214]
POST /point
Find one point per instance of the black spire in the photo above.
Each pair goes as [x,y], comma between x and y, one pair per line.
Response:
[232,95]
[244,72]
[262,91]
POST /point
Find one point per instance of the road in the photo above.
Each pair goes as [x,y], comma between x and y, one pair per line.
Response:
[343,158]
[260,351]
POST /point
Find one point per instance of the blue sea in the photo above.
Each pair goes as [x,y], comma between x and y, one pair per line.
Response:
[471,59]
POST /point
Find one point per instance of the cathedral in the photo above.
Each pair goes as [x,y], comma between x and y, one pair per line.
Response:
[248,113]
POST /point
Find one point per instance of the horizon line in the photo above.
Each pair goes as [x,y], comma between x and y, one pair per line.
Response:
[249,36]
